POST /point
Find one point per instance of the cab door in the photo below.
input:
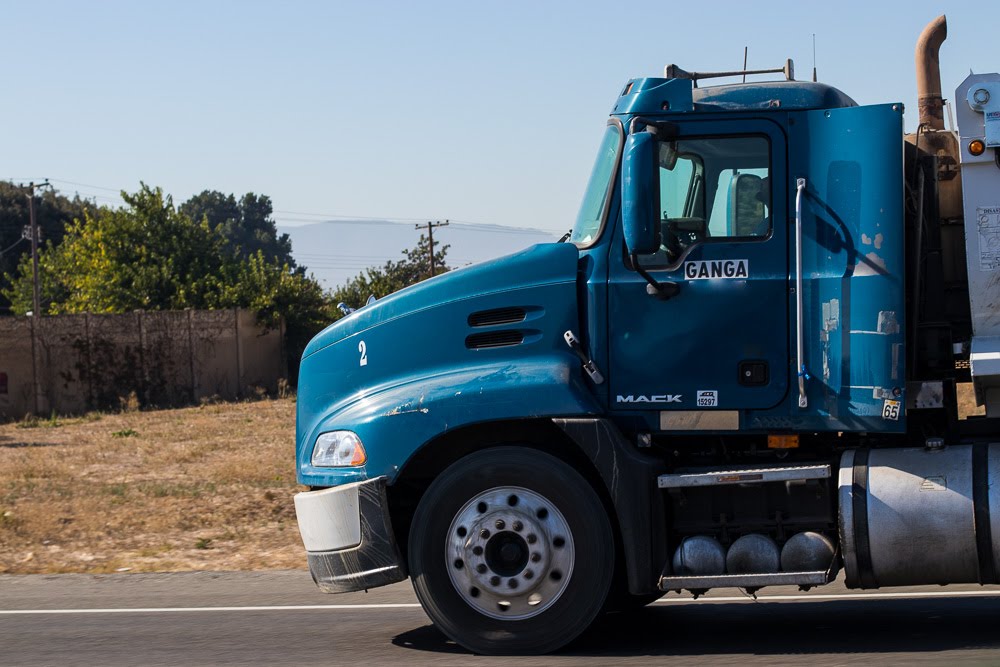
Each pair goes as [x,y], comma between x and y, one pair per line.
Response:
[722,342]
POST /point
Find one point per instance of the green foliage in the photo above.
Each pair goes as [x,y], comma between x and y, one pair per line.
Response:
[392,276]
[145,255]
[246,225]
[53,212]
[275,292]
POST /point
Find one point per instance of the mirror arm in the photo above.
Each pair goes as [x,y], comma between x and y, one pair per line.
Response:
[661,291]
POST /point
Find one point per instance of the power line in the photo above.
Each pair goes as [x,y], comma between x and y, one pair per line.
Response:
[85,185]
[346,217]
[11,246]
[468,226]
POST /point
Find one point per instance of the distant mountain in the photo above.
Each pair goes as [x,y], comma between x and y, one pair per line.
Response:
[336,251]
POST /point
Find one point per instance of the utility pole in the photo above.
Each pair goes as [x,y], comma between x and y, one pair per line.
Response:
[430,237]
[36,311]
[32,233]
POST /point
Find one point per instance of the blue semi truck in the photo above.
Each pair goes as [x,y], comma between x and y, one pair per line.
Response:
[741,370]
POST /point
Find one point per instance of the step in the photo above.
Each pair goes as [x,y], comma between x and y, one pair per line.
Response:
[743,475]
[817,578]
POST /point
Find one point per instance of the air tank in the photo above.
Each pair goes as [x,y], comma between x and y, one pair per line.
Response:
[807,552]
[753,554]
[699,556]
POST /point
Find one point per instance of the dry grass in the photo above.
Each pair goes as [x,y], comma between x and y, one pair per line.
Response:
[196,488]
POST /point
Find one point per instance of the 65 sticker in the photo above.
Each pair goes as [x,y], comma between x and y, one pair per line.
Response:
[890,410]
[707,398]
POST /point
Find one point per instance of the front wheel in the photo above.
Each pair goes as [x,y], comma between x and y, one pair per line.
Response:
[511,551]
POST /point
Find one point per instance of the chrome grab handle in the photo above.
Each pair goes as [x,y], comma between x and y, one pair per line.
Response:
[803,375]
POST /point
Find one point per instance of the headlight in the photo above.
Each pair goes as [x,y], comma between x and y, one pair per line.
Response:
[338,448]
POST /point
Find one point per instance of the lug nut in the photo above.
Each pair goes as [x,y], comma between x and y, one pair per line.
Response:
[481,569]
[517,526]
[512,583]
[477,550]
[495,580]
[529,575]
[500,524]
[532,538]
[535,557]
[485,534]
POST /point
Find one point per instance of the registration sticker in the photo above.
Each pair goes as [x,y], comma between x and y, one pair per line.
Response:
[708,398]
[890,410]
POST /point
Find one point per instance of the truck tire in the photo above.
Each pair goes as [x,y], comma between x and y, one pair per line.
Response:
[511,552]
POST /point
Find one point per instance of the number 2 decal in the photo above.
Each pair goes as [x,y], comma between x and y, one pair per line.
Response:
[363,349]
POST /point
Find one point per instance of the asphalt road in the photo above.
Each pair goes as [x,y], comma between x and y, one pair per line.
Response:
[279,618]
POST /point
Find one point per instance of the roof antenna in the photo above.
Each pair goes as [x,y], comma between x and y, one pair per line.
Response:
[814,58]
[745,50]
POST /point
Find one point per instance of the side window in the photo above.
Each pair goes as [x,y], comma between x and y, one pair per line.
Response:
[711,190]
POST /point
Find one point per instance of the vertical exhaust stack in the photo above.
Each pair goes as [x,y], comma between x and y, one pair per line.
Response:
[929,102]
[931,138]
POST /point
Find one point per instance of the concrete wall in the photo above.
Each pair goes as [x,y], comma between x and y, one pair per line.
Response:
[73,363]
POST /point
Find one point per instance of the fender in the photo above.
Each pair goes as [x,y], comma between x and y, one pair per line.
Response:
[630,478]
[393,422]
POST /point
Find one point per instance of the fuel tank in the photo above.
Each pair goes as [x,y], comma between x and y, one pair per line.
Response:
[920,516]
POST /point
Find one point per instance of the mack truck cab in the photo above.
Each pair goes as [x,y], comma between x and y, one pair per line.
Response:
[741,370]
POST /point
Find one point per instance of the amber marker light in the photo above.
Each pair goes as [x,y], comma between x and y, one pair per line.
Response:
[977,147]
[782,441]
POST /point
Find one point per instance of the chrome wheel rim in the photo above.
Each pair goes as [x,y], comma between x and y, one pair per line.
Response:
[509,553]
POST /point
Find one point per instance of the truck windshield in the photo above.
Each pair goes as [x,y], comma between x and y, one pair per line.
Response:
[595,199]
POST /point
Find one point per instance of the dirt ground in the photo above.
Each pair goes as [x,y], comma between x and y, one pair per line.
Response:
[201,488]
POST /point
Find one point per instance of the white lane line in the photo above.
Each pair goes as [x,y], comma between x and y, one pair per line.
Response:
[157,610]
[414,605]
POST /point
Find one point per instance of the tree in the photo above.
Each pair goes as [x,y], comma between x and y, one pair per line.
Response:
[277,292]
[145,255]
[392,276]
[53,212]
[245,224]
[149,255]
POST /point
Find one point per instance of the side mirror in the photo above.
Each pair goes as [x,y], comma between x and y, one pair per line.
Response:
[641,193]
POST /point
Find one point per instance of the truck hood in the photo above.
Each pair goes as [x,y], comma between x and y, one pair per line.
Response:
[538,265]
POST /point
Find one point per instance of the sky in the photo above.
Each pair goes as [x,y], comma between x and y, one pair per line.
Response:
[479,112]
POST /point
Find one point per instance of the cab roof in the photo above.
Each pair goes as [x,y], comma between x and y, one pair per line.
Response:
[655,95]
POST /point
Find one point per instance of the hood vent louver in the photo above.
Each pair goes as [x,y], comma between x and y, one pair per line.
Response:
[489,318]
[489,339]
